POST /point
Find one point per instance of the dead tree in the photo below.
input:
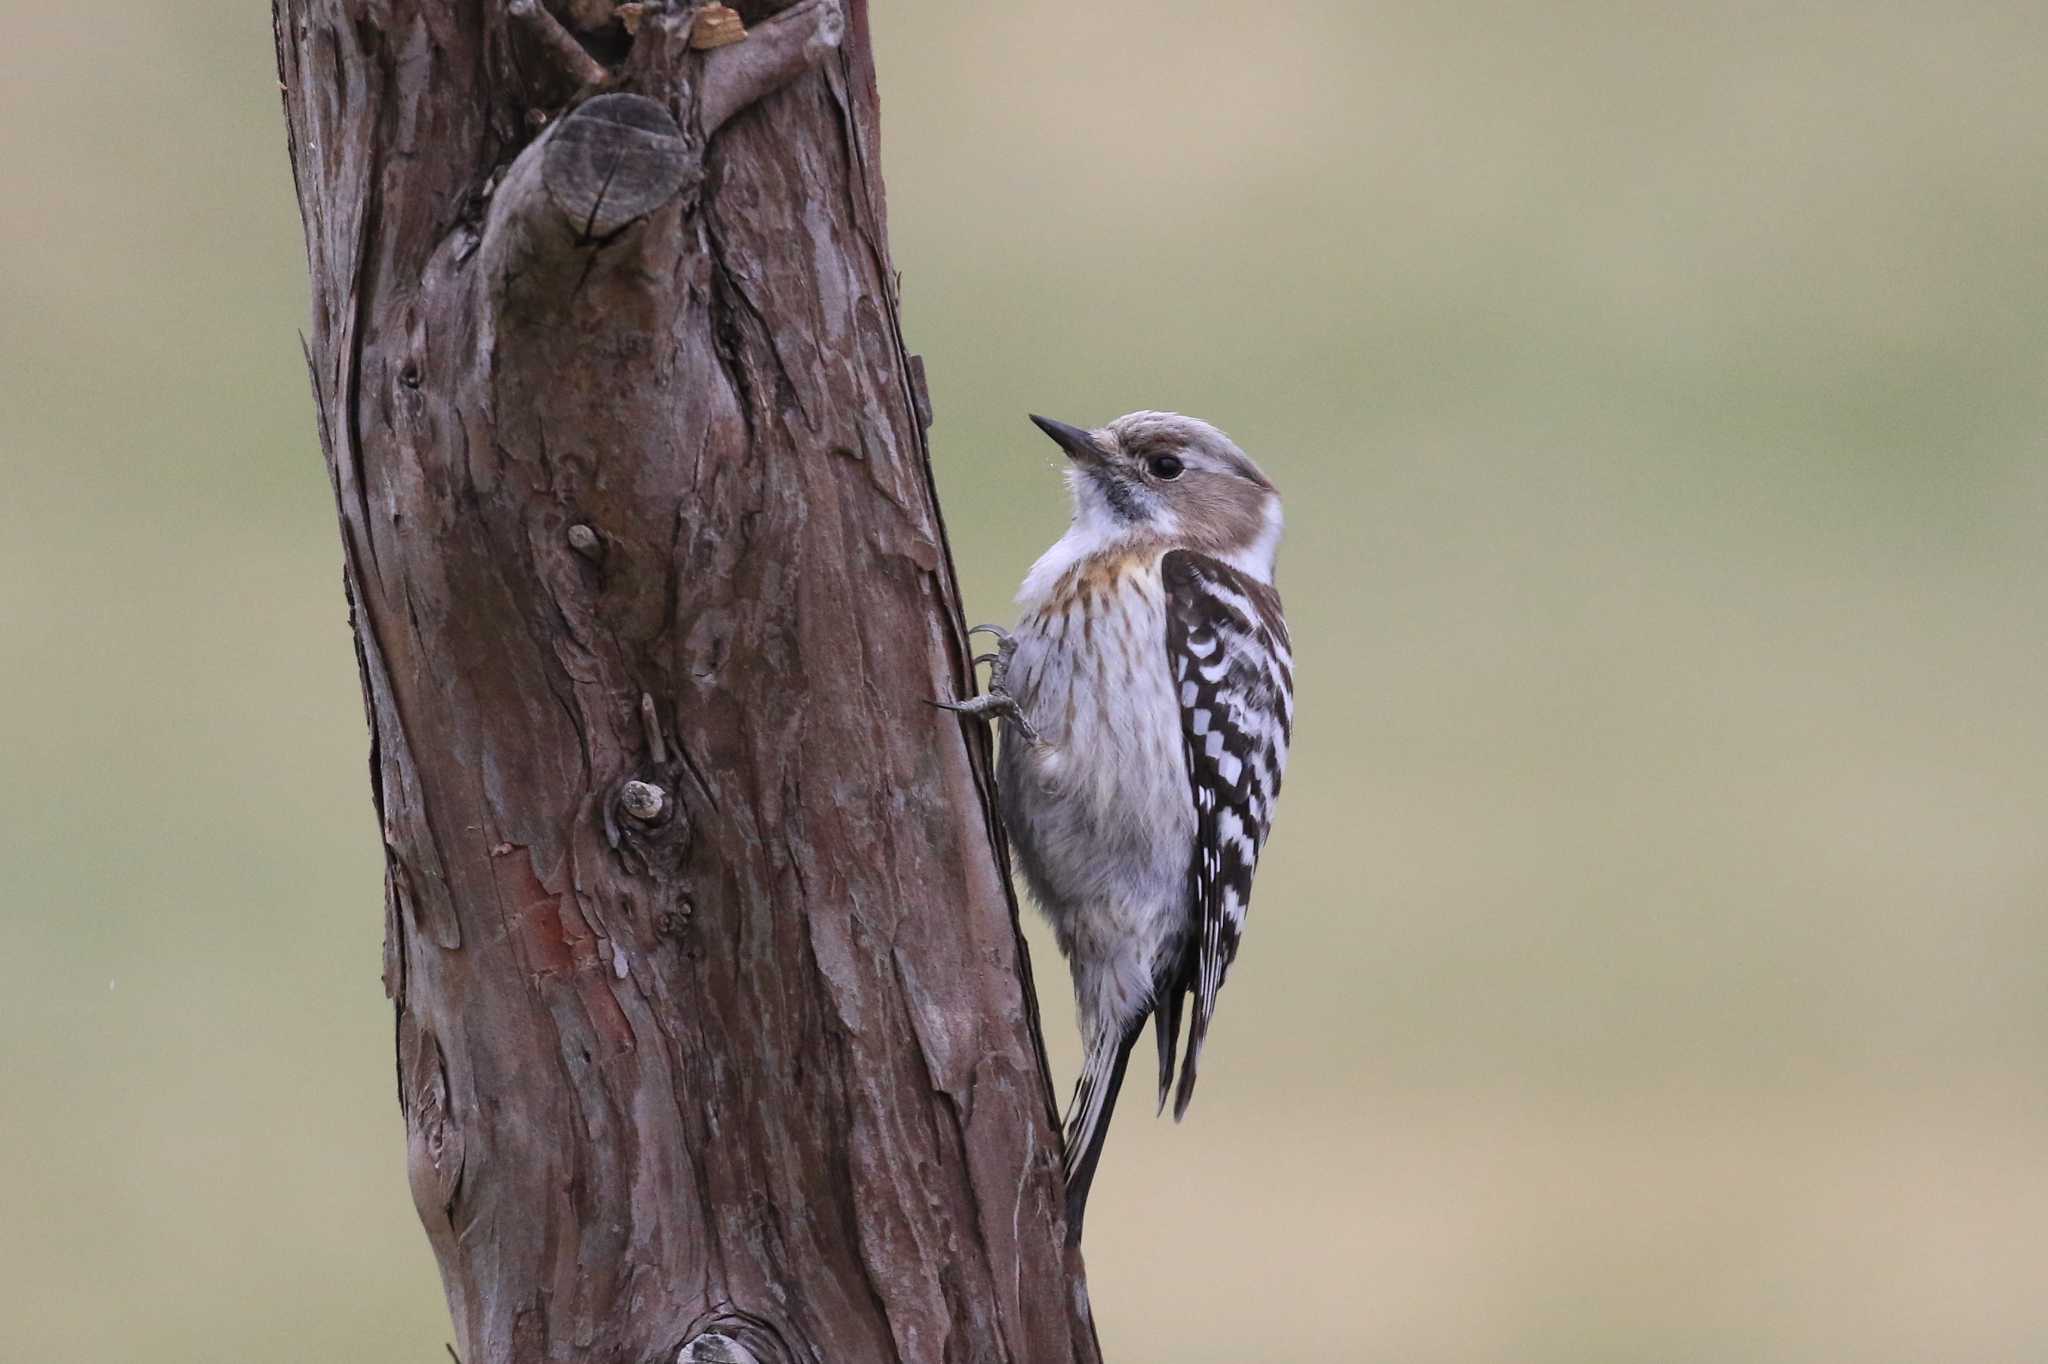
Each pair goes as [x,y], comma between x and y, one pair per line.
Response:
[715,1033]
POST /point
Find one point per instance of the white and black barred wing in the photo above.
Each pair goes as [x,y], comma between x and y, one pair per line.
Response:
[1226,643]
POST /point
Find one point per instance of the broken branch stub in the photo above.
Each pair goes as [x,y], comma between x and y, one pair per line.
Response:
[565,59]
[773,55]
[613,160]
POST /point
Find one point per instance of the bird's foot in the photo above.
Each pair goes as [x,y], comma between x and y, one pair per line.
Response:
[996,703]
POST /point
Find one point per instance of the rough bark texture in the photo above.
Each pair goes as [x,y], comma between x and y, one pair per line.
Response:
[715,1034]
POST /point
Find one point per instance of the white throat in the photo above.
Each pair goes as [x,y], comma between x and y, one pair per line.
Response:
[1094,530]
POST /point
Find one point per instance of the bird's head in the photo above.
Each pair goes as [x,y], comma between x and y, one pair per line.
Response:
[1161,476]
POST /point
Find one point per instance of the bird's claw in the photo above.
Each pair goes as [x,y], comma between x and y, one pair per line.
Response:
[999,661]
[996,703]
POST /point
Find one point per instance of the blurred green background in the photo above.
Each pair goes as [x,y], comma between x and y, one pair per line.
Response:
[1651,960]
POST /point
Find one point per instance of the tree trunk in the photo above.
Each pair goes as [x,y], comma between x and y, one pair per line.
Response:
[715,1033]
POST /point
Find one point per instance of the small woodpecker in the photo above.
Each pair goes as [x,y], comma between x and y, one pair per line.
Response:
[1147,695]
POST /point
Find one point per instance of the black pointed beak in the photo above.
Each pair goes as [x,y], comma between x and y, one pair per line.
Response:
[1079,445]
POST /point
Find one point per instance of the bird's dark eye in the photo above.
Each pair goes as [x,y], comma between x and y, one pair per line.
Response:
[1166,466]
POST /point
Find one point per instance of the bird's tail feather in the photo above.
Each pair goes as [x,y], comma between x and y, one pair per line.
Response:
[1102,1075]
[1166,1025]
[1198,1033]
[1205,979]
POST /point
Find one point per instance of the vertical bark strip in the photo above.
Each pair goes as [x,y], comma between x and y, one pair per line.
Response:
[633,488]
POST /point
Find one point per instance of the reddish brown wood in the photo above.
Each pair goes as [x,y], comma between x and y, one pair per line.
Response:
[616,405]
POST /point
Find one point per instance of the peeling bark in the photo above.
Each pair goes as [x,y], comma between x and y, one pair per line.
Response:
[715,1032]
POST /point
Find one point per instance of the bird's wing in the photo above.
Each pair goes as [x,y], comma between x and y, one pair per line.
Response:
[1226,643]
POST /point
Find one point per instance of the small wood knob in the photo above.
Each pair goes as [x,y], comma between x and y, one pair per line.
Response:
[716,26]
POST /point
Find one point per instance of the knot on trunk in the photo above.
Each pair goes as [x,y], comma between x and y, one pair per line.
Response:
[734,1338]
[643,800]
[714,1347]
[648,825]
[433,1139]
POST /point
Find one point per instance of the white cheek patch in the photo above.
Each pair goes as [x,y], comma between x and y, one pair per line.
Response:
[1256,559]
